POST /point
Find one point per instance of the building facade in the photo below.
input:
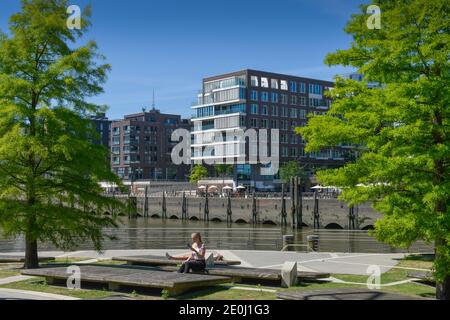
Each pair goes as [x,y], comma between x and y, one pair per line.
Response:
[258,100]
[103,127]
[141,146]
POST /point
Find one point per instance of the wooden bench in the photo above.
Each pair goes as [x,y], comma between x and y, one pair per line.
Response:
[115,277]
[240,273]
[342,294]
[163,261]
[19,259]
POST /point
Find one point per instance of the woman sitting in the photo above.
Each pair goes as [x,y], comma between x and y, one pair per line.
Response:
[196,260]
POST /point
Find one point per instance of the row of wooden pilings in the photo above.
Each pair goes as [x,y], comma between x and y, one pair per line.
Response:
[296,210]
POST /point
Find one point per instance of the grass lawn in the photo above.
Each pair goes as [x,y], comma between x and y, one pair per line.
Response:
[224,292]
[39,284]
[8,273]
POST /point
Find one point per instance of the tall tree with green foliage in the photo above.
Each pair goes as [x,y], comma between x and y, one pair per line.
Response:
[401,128]
[198,172]
[49,168]
[292,169]
[222,169]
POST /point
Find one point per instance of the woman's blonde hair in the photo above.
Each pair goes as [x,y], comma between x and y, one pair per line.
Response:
[197,235]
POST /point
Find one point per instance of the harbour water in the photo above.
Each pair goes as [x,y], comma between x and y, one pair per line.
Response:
[151,233]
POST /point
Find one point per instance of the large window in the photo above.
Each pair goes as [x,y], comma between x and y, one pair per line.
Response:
[254,95]
[283,85]
[264,82]
[274,97]
[274,111]
[274,84]
[302,101]
[254,81]
[302,87]
[293,86]
[254,108]
[264,110]
[264,96]
[284,99]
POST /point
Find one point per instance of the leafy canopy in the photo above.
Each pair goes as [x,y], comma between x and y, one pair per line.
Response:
[49,168]
[400,129]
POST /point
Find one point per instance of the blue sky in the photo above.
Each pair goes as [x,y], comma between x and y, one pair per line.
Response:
[170,45]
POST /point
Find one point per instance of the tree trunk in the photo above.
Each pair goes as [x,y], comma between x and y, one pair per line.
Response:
[31,253]
[443,289]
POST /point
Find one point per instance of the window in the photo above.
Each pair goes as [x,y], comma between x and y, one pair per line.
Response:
[274,111]
[264,111]
[293,152]
[274,124]
[284,111]
[283,85]
[115,150]
[116,160]
[293,113]
[254,109]
[284,151]
[116,140]
[254,95]
[302,101]
[254,123]
[264,123]
[254,81]
[264,96]
[293,86]
[284,99]
[302,114]
[293,100]
[274,97]
[264,82]
[302,87]
[274,83]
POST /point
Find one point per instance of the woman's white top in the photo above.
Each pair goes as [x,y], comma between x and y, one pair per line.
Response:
[201,249]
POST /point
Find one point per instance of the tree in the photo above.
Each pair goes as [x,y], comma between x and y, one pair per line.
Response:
[223,170]
[401,127]
[292,169]
[198,172]
[49,168]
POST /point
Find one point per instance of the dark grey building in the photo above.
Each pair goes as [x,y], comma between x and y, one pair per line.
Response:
[103,127]
[261,100]
[141,146]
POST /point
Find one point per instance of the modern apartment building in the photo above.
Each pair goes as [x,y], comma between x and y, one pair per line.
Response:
[260,100]
[103,127]
[141,146]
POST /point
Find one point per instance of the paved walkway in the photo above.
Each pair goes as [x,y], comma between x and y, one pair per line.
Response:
[340,263]
[13,294]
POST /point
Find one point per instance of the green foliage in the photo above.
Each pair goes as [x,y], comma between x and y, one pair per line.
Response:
[400,128]
[49,168]
[165,294]
[292,169]
[223,170]
[198,172]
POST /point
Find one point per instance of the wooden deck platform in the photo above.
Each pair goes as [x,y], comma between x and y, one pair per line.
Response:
[241,273]
[342,294]
[115,277]
[163,261]
[18,259]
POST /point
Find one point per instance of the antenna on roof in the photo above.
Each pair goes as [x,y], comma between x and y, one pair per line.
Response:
[153,100]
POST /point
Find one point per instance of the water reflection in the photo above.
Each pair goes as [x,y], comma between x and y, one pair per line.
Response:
[174,234]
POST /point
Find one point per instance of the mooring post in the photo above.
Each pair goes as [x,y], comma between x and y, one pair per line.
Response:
[229,212]
[164,207]
[283,207]
[299,204]
[254,209]
[206,208]
[293,202]
[146,202]
[183,206]
[316,212]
